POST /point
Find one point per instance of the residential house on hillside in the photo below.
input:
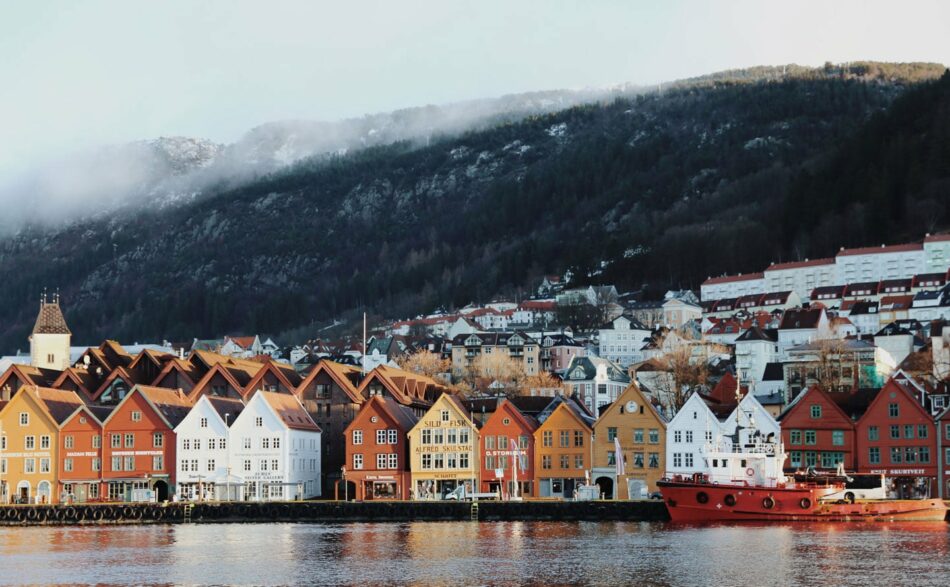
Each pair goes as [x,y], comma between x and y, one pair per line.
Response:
[801,326]
[558,350]
[516,345]
[841,365]
[595,382]
[863,314]
[622,340]
[755,348]
[385,350]
[800,277]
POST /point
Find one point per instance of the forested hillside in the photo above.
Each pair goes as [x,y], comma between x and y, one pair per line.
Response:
[658,190]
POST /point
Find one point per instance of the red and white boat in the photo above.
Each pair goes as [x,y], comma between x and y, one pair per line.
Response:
[743,479]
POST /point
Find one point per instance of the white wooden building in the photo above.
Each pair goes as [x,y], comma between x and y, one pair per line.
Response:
[275,449]
[204,470]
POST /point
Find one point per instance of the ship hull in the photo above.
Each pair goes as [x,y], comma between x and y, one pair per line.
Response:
[702,502]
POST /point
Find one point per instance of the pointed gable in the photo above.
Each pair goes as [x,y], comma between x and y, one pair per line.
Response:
[50,319]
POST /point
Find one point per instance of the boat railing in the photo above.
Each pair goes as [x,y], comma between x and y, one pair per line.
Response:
[764,448]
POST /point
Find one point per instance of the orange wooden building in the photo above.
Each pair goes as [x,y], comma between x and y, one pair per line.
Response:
[562,449]
[506,441]
[80,454]
[377,451]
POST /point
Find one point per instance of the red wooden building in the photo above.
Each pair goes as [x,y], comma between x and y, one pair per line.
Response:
[80,454]
[138,444]
[377,451]
[897,437]
[817,432]
[505,426]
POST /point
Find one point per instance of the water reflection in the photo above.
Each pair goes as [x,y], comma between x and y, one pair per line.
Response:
[516,553]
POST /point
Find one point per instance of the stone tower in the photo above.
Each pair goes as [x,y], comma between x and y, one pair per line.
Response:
[49,342]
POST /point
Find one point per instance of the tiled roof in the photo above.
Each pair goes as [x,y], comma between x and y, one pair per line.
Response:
[172,405]
[59,404]
[50,320]
[882,249]
[290,410]
[801,318]
[799,264]
[226,406]
[733,278]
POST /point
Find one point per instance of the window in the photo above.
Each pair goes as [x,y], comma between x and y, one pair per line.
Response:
[393,461]
[873,433]
[68,465]
[68,441]
[654,460]
[612,458]
[689,459]
[578,438]
[130,441]
[96,441]
[29,442]
[380,437]
[263,466]
[565,461]
[381,461]
[896,455]
[578,461]
[893,410]
[815,411]
[837,437]
[438,436]
[358,437]
[564,439]
[186,444]
[795,437]
[116,463]
[259,421]
[274,465]
[523,441]
[426,461]
[547,438]
[451,460]
[247,442]
[137,416]
[212,443]
[96,466]
[129,463]
[222,444]
[197,444]
[158,440]
[830,460]
[908,430]
[677,438]
[924,454]
[654,436]
[638,460]
[393,437]
[795,458]
[638,435]
[29,465]
[265,443]
[811,437]
[204,423]
[158,463]
[438,461]
[546,460]
[689,436]
[211,465]
[895,431]
[24,419]
[358,461]
[247,465]
[445,415]
[922,431]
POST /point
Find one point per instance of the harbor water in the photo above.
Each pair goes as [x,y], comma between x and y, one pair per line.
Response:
[487,553]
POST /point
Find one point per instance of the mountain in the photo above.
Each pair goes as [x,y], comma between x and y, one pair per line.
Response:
[659,189]
[172,171]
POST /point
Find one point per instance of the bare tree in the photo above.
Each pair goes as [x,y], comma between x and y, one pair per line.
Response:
[685,361]
[426,363]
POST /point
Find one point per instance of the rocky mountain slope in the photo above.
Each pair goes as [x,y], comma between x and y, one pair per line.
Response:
[652,190]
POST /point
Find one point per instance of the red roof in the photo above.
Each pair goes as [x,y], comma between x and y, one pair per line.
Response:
[896,302]
[733,278]
[882,249]
[538,305]
[934,238]
[798,264]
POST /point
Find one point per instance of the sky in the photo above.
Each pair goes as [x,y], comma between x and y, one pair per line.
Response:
[76,74]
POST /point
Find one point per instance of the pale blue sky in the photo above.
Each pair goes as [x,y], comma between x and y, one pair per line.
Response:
[75,73]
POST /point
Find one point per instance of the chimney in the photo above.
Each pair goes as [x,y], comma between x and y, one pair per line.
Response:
[181,393]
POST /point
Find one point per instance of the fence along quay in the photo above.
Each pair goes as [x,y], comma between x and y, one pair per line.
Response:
[328,511]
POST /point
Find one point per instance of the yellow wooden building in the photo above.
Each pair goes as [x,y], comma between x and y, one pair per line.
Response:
[641,429]
[443,451]
[29,437]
